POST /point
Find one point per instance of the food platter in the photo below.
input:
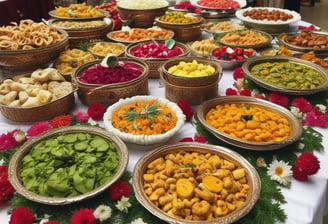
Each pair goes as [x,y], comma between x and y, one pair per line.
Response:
[113,36]
[80,25]
[250,63]
[242,4]
[283,39]
[266,42]
[220,27]
[53,14]
[272,25]
[295,124]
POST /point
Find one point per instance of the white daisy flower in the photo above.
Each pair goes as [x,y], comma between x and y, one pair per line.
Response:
[123,204]
[102,212]
[296,111]
[280,171]
[138,221]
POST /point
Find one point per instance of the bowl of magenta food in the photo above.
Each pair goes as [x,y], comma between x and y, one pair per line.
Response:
[108,80]
[67,164]
[155,52]
[231,57]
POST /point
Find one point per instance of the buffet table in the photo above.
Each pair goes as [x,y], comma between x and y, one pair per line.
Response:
[306,201]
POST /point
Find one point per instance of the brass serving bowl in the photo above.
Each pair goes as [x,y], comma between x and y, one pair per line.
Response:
[142,18]
[183,32]
[295,124]
[272,27]
[191,81]
[29,59]
[219,37]
[16,164]
[246,67]
[104,13]
[282,40]
[142,165]
[110,93]
[143,139]
[155,63]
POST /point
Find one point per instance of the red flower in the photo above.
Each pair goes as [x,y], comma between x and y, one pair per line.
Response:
[245,92]
[21,215]
[61,121]
[51,222]
[186,109]
[302,104]
[238,73]
[6,188]
[189,139]
[259,96]
[299,174]
[278,98]
[8,141]
[316,118]
[96,111]
[308,163]
[231,92]
[118,189]
[81,116]
[201,139]
[83,216]
[38,128]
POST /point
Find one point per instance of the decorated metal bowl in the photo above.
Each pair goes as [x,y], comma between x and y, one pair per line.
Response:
[191,194]
[68,164]
[233,119]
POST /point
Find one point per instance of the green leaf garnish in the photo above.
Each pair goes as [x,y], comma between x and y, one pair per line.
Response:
[169,43]
[71,13]
[246,117]
[146,112]
[112,61]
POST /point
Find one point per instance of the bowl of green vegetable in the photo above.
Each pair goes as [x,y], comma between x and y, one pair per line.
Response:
[68,164]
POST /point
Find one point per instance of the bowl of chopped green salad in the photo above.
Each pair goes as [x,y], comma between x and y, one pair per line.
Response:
[67,164]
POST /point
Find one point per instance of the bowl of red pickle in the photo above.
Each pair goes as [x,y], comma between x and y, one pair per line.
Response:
[155,52]
[106,81]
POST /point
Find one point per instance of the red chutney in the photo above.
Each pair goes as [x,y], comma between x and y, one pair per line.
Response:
[155,50]
[101,75]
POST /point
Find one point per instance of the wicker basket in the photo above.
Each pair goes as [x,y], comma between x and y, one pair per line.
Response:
[194,95]
[40,113]
[141,18]
[13,61]
[109,94]
[183,32]
[191,81]
[154,63]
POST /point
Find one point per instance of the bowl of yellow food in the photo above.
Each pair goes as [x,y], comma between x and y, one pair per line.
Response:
[249,122]
[196,183]
[191,71]
[67,165]
[102,48]
[144,120]
[186,27]
[293,75]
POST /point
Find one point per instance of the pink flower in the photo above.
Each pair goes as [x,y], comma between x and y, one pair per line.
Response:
[21,215]
[96,111]
[38,128]
[83,216]
[81,116]
[238,73]
[231,92]
[259,96]
[51,222]
[8,140]
[278,98]
[188,139]
[316,118]
[199,138]
[302,104]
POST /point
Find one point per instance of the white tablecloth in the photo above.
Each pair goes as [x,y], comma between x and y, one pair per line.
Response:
[306,201]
